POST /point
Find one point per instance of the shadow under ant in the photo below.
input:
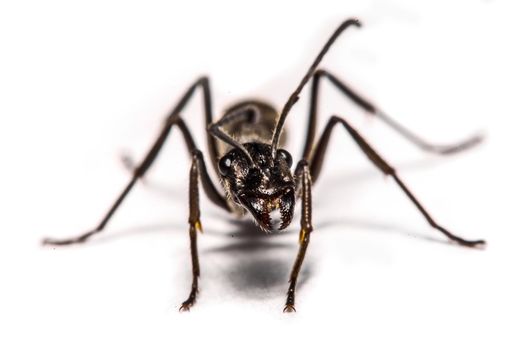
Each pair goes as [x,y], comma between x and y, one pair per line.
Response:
[262,261]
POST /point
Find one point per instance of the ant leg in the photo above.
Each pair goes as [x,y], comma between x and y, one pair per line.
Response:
[317,162]
[209,188]
[204,83]
[302,173]
[369,107]
[195,225]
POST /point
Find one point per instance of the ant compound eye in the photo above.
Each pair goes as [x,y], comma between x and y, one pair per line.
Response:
[286,156]
[225,165]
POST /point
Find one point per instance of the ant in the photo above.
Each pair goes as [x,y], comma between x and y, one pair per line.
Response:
[256,172]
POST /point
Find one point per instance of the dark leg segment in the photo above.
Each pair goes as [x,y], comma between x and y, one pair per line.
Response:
[305,186]
[82,238]
[317,162]
[173,120]
[369,107]
[204,83]
[195,225]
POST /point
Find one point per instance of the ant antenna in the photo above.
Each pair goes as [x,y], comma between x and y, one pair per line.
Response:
[248,112]
[294,97]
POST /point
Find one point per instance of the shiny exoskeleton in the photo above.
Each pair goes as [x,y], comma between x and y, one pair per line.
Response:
[264,185]
[246,149]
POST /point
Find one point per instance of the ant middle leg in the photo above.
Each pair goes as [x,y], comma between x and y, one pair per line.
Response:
[173,120]
[197,171]
[204,84]
[375,111]
[378,161]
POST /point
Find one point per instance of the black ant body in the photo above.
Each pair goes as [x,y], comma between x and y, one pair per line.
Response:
[256,173]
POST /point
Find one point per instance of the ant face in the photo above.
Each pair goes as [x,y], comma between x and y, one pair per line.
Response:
[266,189]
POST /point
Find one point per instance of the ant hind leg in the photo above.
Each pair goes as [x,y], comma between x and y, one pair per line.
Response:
[379,162]
[378,113]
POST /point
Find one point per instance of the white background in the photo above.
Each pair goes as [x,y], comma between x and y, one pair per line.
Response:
[80,85]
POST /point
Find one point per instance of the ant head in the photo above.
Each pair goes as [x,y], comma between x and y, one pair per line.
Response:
[263,186]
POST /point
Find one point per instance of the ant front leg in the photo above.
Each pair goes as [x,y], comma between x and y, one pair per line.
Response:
[305,184]
[195,225]
[379,162]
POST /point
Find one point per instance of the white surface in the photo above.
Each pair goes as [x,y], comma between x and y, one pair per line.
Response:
[81,84]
